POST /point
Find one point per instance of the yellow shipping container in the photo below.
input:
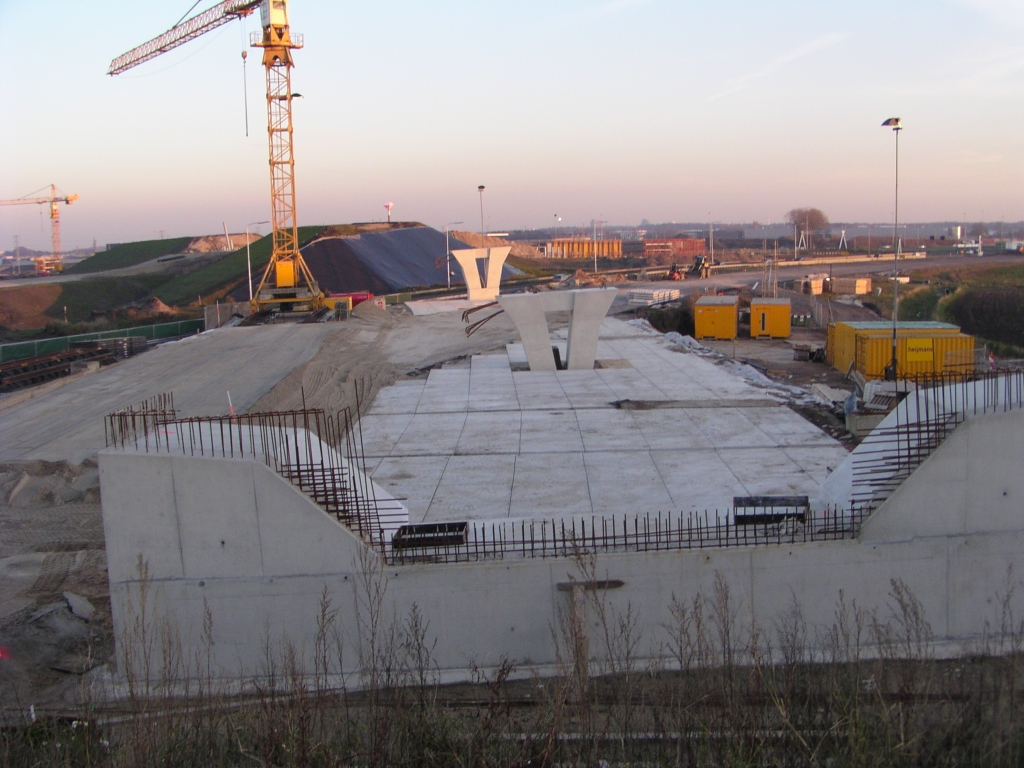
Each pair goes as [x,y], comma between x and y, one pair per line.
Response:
[841,344]
[716,317]
[915,355]
[770,318]
[333,302]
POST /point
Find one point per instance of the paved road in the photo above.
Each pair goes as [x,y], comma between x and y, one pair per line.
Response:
[68,422]
[880,268]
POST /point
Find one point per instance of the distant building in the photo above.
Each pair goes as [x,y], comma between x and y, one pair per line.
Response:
[582,248]
[675,247]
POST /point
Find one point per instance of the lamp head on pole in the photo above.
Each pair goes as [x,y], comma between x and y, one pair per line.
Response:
[894,123]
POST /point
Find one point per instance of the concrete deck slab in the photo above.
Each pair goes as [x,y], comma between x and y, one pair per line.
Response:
[550,432]
[481,440]
[698,480]
[431,434]
[413,480]
[546,481]
[621,482]
[484,433]
[474,488]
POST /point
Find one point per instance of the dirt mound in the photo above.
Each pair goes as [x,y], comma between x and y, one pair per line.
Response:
[214,243]
[370,312]
[22,308]
[581,279]
[480,241]
[351,230]
[153,306]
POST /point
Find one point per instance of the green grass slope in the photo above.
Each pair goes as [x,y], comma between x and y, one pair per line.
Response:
[83,297]
[224,274]
[129,254]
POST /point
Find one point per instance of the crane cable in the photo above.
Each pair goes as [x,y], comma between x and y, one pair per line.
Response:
[245,73]
[197,2]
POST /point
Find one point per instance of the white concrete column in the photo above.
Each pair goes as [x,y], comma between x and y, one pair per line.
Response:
[588,307]
[588,311]
[493,259]
[527,310]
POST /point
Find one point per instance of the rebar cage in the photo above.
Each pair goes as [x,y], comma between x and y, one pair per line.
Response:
[319,453]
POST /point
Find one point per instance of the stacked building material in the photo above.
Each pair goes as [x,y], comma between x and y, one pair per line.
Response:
[644,297]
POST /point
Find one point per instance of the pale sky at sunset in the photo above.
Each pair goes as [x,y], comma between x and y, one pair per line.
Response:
[623,109]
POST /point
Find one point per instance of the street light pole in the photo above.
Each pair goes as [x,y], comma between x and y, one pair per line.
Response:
[448,251]
[480,189]
[248,258]
[892,371]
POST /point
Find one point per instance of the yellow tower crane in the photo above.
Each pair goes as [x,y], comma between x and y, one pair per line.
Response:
[287,282]
[56,265]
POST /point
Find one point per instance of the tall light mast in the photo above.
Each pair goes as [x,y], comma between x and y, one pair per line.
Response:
[287,281]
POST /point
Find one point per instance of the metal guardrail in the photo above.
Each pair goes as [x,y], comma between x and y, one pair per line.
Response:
[21,349]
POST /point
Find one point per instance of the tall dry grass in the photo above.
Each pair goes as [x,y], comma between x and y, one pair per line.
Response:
[869,690]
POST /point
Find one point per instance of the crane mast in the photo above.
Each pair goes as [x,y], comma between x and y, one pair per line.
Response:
[287,281]
[53,200]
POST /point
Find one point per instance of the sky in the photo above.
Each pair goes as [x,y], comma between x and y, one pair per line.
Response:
[669,110]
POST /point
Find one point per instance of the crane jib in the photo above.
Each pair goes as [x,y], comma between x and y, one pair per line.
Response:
[180,34]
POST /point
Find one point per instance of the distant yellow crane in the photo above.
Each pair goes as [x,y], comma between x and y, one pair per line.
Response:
[287,282]
[53,200]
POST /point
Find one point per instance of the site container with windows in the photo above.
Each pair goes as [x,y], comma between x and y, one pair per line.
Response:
[921,347]
[770,318]
[716,317]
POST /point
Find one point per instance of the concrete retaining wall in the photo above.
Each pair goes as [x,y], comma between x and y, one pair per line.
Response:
[232,538]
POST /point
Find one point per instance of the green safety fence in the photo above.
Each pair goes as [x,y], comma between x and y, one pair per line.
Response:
[21,349]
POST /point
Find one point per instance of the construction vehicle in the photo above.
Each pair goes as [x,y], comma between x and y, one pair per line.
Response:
[287,284]
[48,265]
[700,267]
[53,200]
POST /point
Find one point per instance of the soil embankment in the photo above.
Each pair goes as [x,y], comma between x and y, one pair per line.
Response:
[23,307]
[372,350]
[475,240]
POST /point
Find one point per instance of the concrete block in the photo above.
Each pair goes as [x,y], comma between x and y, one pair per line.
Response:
[140,516]
[295,535]
[217,518]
